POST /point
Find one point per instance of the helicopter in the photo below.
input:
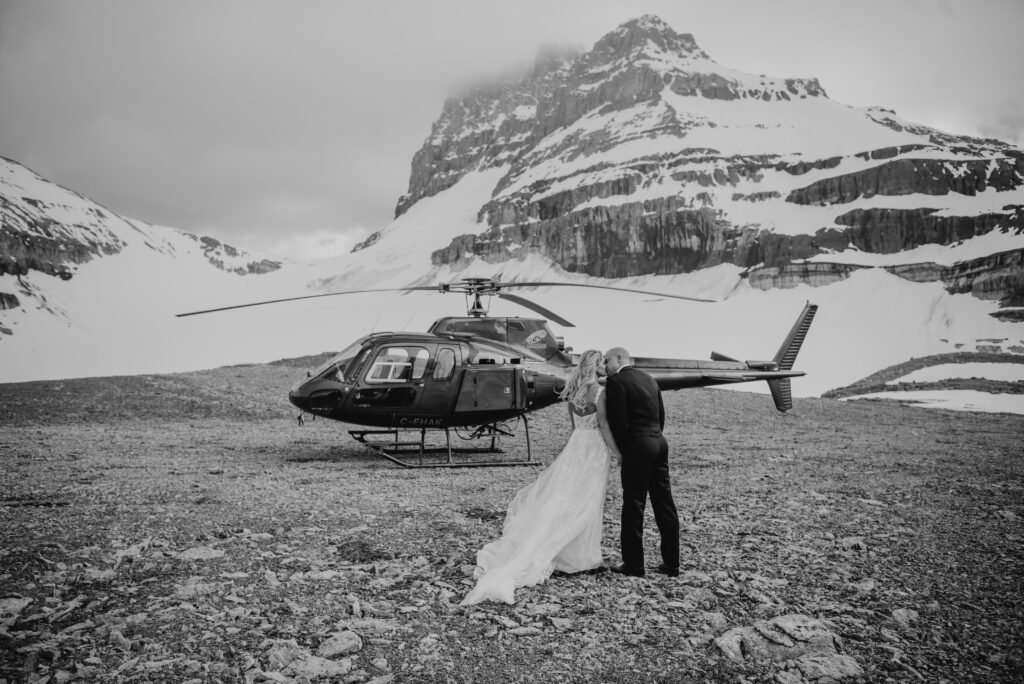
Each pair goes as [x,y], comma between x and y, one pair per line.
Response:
[475,374]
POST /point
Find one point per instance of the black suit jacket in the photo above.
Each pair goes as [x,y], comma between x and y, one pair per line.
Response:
[633,406]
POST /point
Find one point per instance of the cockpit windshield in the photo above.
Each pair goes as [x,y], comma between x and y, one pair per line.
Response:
[341,367]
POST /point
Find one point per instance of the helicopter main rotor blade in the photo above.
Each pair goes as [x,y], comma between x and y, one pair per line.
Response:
[294,299]
[532,306]
[608,287]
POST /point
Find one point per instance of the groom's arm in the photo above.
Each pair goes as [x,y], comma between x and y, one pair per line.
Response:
[615,410]
[661,410]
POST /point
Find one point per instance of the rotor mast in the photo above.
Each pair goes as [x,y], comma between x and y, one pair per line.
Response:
[474,289]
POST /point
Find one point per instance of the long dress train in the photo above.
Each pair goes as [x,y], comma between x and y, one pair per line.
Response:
[553,523]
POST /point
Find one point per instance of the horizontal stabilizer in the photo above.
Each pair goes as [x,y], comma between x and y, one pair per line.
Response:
[720,379]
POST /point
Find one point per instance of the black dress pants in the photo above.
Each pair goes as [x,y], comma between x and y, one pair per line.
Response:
[645,471]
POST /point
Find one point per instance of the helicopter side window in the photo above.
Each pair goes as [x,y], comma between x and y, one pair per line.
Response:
[419,363]
[445,364]
[398,364]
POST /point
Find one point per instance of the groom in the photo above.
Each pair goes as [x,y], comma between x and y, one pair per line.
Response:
[636,417]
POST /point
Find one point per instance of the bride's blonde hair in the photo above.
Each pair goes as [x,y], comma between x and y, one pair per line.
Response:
[575,391]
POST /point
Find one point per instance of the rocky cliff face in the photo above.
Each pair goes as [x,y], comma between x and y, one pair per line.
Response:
[33,239]
[998,276]
[644,156]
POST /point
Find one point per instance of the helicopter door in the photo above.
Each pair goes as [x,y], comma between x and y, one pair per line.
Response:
[440,384]
[393,380]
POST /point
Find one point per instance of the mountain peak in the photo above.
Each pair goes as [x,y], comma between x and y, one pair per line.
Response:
[649,28]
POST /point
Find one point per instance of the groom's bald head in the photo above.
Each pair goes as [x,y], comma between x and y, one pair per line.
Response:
[615,358]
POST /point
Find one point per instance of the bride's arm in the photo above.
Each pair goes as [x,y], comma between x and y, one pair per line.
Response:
[606,432]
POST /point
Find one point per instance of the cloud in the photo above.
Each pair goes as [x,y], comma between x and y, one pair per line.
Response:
[1007,125]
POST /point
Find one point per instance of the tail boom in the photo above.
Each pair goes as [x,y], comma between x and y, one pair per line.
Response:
[676,374]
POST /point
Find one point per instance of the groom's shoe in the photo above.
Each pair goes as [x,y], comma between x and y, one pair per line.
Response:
[665,570]
[629,572]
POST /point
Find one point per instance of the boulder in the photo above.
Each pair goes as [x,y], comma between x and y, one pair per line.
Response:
[781,638]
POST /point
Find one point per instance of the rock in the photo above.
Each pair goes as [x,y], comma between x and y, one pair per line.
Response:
[383,582]
[905,617]
[342,643]
[119,640]
[10,609]
[193,587]
[282,652]
[287,657]
[132,552]
[695,577]
[257,675]
[526,631]
[372,626]
[782,638]
[853,543]
[890,635]
[865,586]
[295,608]
[322,574]
[544,608]
[62,677]
[717,621]
[200,553]
[825,668]
[703,597]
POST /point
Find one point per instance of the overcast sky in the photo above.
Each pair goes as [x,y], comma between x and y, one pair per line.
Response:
[291,125]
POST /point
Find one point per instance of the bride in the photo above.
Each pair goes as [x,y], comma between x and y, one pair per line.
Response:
[554,523]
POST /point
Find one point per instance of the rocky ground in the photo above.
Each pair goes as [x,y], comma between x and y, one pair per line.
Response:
[186,528]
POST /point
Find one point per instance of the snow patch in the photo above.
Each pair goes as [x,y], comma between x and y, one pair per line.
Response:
[955,400]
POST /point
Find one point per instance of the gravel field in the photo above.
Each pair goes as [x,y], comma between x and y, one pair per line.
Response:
[187,528]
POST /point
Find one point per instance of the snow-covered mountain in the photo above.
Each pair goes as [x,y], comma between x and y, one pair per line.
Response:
[641,163]
[645,156]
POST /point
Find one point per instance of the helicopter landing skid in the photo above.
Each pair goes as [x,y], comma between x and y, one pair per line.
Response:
[416,453]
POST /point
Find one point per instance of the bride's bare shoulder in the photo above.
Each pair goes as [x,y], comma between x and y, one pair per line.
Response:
[591,401]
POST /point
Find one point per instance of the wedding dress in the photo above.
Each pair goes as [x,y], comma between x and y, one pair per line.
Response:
[553,523]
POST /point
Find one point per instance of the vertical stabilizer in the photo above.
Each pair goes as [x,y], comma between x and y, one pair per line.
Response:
[782,392]
[786,355]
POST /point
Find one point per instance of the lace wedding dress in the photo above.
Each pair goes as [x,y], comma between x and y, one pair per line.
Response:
[553,523]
